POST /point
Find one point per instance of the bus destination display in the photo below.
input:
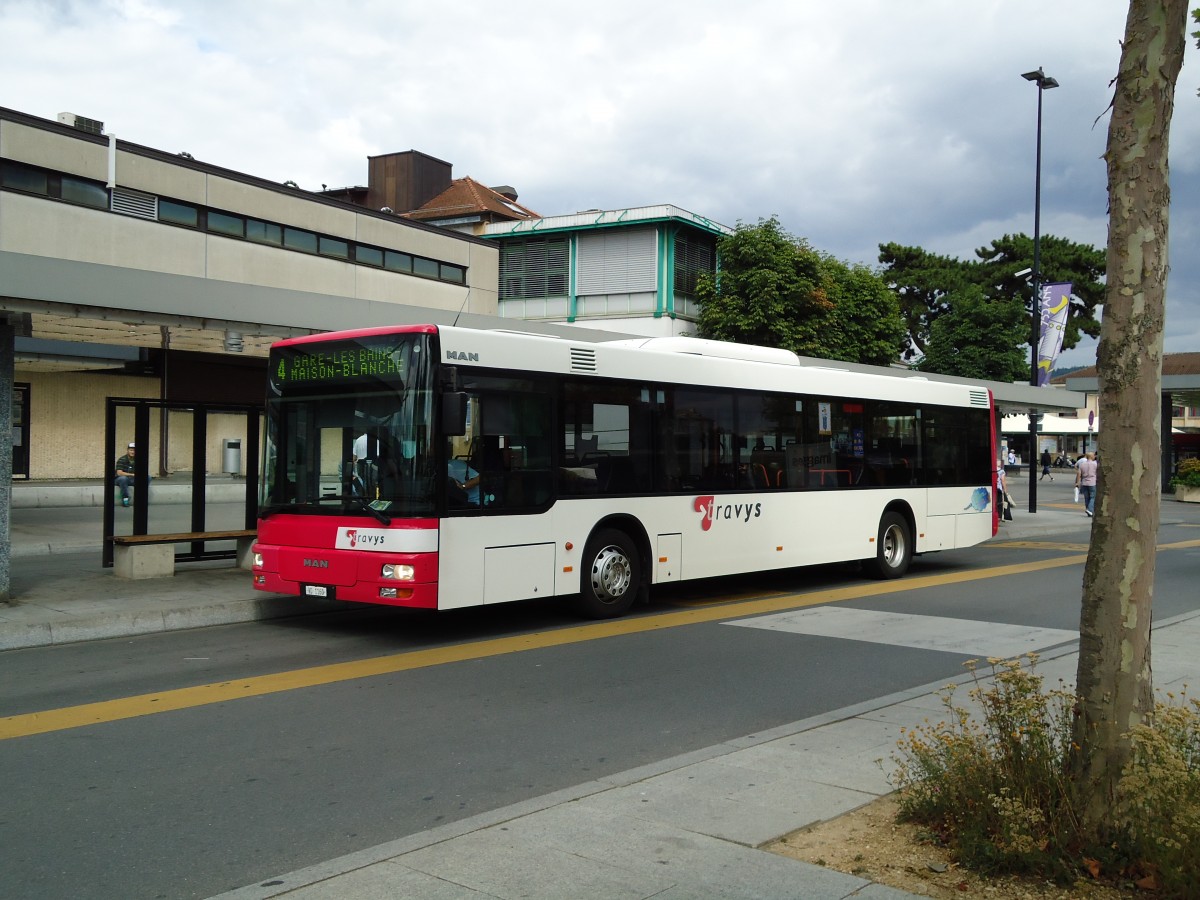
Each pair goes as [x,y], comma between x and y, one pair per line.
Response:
[340,365]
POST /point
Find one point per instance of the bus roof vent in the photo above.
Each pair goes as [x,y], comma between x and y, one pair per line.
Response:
[979,398]
[583,359]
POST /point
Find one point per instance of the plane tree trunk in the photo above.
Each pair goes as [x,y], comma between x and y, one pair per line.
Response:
[1114,685]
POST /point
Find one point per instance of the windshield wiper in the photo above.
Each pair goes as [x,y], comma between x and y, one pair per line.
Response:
[367,507]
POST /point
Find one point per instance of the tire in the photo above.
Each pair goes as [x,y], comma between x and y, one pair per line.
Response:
[894,548]
[612,575]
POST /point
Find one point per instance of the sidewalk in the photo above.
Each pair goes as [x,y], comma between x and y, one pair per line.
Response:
[688,826]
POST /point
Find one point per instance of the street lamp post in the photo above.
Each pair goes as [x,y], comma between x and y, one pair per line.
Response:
[1044,82]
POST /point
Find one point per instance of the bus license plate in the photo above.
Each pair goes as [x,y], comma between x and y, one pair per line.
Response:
[318,590]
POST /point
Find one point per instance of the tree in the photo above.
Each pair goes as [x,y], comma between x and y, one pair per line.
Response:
[978,338]
[1113,684]
[1059,260]
[923,282]
[777,291]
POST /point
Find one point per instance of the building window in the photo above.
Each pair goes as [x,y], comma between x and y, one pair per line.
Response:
[264,232]
[398,262]
[425,267]
[299,239]
[536,267]
[456,274]
[223,223]
[85,193]
[327,246]
[24,178]
[368,256]
[695,254]
[178,213]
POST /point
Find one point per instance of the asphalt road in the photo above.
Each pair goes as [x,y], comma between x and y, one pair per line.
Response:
[502,705]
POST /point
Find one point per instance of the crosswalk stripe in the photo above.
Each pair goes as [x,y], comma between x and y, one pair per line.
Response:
[962,636]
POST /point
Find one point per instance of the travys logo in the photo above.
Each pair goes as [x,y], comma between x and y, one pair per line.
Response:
[712,511]
[367,540]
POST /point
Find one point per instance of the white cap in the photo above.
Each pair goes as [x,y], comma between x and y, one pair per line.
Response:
[132,445]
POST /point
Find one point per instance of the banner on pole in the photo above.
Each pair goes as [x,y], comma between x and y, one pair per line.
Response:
[1053,303]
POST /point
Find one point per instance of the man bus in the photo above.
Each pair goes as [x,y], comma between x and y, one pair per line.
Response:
[438,467]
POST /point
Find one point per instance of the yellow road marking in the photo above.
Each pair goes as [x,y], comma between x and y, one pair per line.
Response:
[259,685]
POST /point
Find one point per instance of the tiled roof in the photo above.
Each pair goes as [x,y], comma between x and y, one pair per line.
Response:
[466,197]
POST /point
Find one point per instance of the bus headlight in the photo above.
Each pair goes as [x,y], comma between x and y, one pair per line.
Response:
[258,560]
[397,572]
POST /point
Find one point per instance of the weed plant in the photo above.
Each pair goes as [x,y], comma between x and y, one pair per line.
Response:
[989,783]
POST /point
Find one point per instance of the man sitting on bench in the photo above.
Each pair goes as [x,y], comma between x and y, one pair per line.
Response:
[124,472]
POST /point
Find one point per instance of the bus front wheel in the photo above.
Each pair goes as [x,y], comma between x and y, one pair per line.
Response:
[893,548]
[611,576]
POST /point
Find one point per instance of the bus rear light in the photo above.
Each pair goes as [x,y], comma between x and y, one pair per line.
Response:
[397,572]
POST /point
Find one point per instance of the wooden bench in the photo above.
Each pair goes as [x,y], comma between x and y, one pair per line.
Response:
[153,555]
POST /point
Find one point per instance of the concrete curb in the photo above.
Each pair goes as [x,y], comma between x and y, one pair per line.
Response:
[20,636]
[57,496]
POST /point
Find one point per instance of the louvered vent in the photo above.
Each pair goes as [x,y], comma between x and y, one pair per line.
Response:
[583,359]
[979,398]
[134,203]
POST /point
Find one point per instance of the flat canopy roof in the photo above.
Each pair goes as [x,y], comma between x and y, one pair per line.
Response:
[1009,398]
[1180,379]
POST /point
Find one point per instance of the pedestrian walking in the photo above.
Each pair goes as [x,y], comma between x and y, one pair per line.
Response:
[1085,480]
[1046,465]
[1003,501]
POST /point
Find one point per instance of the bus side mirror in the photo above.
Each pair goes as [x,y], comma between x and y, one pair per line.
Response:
[454,413]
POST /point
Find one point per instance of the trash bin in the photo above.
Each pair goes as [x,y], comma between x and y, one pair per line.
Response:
[232,457]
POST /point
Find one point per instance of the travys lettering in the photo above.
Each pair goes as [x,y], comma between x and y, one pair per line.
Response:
[367,540]
[712,511]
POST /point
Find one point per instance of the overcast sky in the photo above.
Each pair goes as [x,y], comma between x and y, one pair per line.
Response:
[856,122]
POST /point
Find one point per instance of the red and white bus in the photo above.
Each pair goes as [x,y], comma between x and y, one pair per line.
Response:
[439,467]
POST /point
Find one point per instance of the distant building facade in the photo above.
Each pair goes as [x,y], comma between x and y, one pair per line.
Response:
[628,270]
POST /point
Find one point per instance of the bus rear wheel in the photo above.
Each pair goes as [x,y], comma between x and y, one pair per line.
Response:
[893,548]
[611,576]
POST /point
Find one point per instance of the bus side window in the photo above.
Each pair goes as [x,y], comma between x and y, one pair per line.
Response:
[512,454]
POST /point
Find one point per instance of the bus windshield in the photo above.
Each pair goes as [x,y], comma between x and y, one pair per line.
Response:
[349,427]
